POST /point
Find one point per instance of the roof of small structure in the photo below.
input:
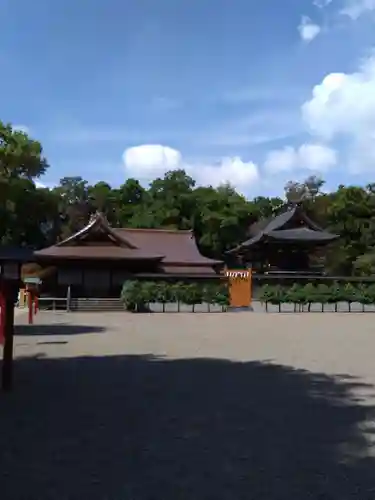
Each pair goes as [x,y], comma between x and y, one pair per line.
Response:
[272,229]
[164,245]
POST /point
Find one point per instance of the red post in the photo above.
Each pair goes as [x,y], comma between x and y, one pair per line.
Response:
[30,305]
[36,303]
[2,316]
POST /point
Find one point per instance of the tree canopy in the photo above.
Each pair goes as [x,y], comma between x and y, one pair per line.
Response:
[219,216]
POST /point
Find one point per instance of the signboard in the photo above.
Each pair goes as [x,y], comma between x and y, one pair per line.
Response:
[238,273]
[239,287]
[32,281]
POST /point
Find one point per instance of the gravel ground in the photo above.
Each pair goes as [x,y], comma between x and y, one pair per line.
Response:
[190,406]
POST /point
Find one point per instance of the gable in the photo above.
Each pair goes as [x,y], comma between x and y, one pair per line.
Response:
[98,236]
[97,233]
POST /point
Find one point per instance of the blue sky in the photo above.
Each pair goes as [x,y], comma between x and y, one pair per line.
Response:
[223,88]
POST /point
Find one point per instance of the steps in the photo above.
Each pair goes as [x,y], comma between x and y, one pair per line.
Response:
[96,304]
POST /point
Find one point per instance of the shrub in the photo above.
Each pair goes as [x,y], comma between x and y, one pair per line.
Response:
[351,294]
[193,295]
[176,293]
[309,295]
[130,295]
[294,295]
[336,295]
[148,292]
[222,296]
[209,294]
[278,296]
[266,295]
[363,296]
[322,294]
[162,294]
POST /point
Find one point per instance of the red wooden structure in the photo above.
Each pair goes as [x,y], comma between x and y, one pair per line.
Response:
[11,260]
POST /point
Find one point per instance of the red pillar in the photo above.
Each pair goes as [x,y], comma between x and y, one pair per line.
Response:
[36,303]
[30,305]
[7,365]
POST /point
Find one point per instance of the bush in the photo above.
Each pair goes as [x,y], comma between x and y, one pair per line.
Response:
[194,295]
[209,294]
[323,294]
[137,295]
[295,295]
[130,295]
[336,295]
[222,296]
[266,295]
[278,296]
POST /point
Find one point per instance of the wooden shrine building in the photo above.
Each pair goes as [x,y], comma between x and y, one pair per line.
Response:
[96,261]
[283,244]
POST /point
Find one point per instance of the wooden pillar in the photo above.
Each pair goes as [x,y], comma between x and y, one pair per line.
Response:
[7,366]
[36,303]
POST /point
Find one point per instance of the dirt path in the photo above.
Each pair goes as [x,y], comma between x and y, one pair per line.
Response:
[191,406]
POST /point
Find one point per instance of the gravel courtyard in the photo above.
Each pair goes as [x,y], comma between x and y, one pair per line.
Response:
[190,406]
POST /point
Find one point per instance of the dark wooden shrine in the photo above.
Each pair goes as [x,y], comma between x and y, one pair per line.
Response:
[284,243]
[96,261]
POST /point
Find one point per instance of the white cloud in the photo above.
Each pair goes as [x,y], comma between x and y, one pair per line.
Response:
[308,30]
[21,128]
[343,107]
[356,8]
[39,184]
[312,157]
[148,161]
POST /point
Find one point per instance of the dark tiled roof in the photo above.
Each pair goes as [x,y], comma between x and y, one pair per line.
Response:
[272,228]
[170,246]
[176,246]
[96,252]
[303,233]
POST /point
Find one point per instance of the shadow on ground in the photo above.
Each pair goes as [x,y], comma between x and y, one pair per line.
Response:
[133,427]
[56,329]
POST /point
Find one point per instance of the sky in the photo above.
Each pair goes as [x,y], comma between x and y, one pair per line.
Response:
[250,92]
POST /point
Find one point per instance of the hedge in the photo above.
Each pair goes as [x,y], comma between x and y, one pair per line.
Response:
[305,295]
[138,295]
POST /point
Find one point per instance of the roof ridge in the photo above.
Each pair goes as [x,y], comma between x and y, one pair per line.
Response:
[152,229]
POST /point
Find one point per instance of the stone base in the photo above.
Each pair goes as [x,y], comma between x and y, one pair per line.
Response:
[240,309]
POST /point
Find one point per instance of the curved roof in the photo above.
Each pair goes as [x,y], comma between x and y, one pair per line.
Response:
[96,252]
[168,246]
[272,229]
[177,246]
[303,233]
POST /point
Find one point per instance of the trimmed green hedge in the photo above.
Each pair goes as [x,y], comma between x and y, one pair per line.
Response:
[305,295]
[138,295]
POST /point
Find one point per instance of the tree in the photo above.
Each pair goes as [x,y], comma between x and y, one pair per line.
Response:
[23,208]
[74,203]
[20,156]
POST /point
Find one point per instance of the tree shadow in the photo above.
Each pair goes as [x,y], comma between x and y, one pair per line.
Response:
[56,329]
[146,428]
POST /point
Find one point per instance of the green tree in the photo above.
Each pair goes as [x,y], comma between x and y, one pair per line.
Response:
[26,213]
